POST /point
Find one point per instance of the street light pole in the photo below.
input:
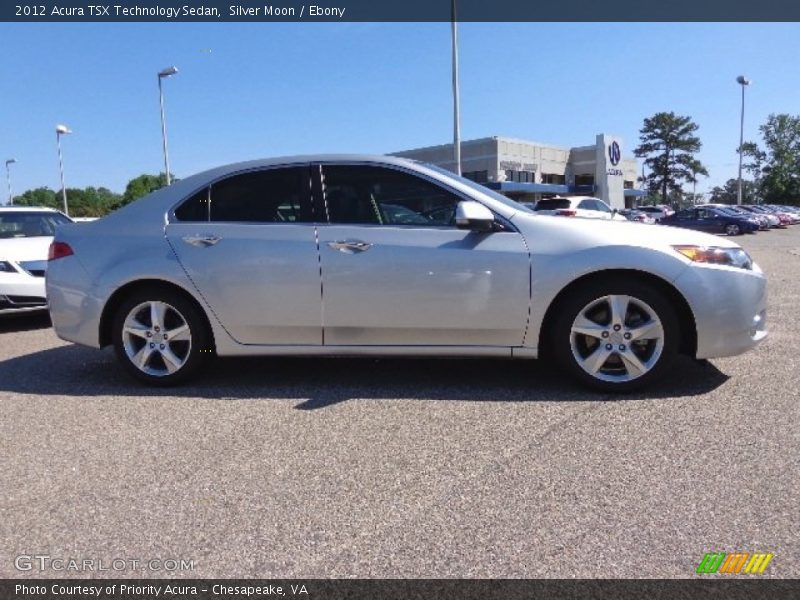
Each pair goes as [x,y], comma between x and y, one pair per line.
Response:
[743,81]
[456,100]
[10,161]
[62,130]
[169,71]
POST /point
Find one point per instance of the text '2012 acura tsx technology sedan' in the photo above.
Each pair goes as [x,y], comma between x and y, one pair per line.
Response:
[366,255]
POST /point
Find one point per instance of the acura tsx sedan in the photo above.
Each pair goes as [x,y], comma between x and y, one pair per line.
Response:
[372,255]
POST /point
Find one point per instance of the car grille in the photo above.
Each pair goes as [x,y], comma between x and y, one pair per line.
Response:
[21,301]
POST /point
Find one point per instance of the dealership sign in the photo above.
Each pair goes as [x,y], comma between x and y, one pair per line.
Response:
[614,156]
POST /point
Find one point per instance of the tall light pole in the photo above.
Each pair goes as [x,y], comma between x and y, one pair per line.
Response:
[10,161]
[456,101]
[168,72]
[744,82]
[62,130]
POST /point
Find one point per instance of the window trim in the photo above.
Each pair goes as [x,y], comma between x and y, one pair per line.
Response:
[321,202]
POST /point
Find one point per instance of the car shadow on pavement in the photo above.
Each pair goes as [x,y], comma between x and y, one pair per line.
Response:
[24,322]
[321,382]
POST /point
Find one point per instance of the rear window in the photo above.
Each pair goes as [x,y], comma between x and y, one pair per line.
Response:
[552,204]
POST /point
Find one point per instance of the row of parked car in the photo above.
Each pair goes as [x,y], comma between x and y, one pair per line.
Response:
[734,219]
[712,218]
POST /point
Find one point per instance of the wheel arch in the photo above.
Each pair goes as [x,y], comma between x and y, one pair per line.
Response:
[684,312]
[119,295]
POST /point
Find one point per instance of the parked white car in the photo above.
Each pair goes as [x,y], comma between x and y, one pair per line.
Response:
[657,212]
[25,236]
[577,206]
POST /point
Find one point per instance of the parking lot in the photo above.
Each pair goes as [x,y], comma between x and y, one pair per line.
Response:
[403,468]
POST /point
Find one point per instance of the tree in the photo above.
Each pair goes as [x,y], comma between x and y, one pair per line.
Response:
[42,196]
[668,145]
[776,168]
[727,194]
[143,185]
[88,202]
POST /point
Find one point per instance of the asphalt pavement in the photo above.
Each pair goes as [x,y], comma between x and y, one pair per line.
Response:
[301,468]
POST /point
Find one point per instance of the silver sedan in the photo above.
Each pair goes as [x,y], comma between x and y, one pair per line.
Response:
[366,255]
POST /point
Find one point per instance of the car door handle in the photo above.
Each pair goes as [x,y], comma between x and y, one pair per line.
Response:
[202,241]
[350,246]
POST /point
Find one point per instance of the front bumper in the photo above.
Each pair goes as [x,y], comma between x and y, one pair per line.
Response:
[20,292]
[729,306]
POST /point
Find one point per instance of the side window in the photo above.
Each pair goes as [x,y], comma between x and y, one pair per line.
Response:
[587,205]
[381,196]
[602,206]
[195,208]
[270,196]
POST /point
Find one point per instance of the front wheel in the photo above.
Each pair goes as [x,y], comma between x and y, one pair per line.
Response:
[160,337]
[616,336]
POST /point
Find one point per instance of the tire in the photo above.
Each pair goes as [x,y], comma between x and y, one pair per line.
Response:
[733,229]
[587,346]
[166,361]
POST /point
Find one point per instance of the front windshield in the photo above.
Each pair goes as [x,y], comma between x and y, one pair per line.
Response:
[479,188]
[30,224]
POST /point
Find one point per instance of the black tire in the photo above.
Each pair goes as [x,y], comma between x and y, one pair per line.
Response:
[192,353]
[733,229]
[640,292]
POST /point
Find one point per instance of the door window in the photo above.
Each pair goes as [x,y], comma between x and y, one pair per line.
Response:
[270,196]
[380,196]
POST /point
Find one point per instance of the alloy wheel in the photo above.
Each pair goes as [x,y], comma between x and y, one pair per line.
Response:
[156,338]
[617,338]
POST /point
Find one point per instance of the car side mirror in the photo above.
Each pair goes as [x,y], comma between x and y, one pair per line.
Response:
[473,216]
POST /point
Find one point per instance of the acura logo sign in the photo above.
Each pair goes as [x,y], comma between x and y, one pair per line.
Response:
[614,153]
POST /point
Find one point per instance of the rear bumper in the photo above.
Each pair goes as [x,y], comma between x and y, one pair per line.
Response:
[729,306]
[75,313]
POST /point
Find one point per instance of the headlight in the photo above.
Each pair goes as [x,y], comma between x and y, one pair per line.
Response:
[731,257]
[6,267]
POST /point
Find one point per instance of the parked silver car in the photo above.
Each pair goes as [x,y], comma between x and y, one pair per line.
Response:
[365,255]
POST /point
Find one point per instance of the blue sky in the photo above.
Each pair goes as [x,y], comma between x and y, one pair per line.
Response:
[256,90]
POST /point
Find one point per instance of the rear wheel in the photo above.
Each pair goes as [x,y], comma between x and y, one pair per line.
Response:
[616,336]
[160,337]
[732,229]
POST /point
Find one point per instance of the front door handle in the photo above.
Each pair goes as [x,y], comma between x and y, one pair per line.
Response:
[350,246]
[202,241]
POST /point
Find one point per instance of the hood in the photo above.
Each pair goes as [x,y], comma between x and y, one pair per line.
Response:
[573,232]
[24,249]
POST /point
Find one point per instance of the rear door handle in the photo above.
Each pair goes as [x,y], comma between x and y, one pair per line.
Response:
[203,240]
[350,246]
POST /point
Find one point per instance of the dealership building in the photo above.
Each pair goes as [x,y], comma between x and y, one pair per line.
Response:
[528,171]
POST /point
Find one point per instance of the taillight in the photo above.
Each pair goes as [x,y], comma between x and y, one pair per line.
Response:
[566,212]
[59,250]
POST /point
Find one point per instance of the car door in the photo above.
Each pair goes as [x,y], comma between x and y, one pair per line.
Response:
[248,244]
[414,281]
[708,221]
[588,208]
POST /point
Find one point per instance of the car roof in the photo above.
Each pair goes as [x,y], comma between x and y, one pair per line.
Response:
[27,209]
